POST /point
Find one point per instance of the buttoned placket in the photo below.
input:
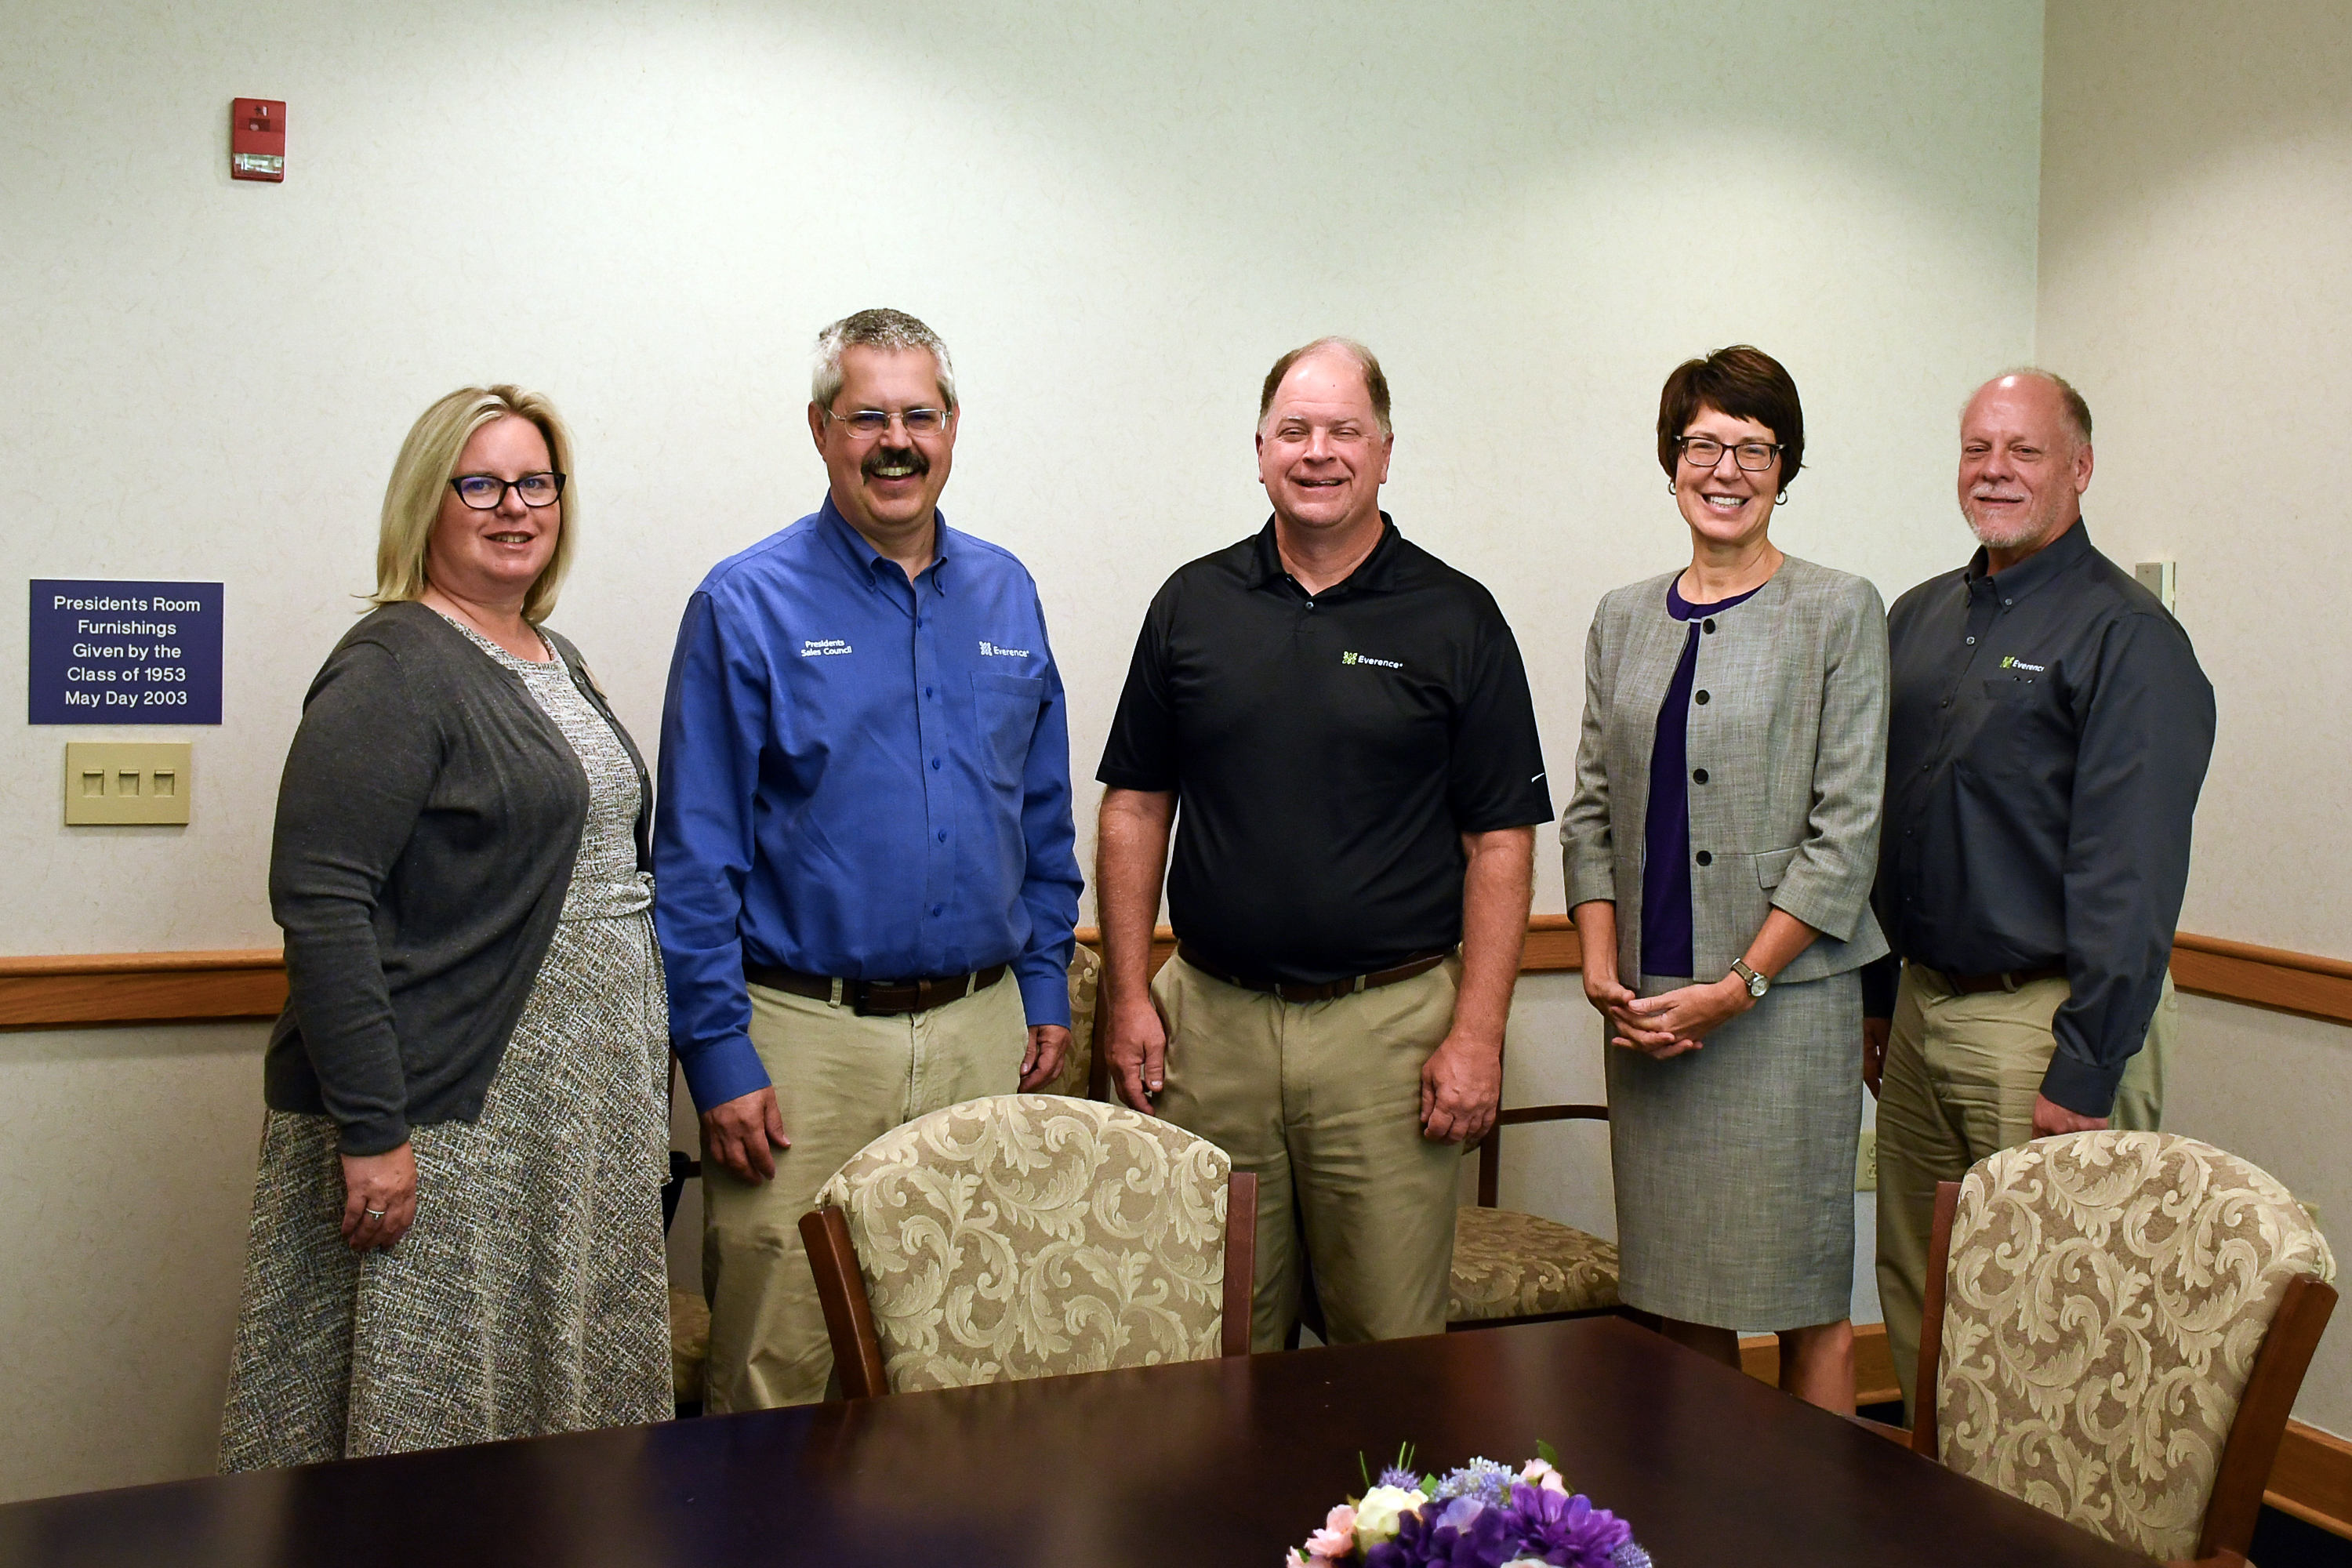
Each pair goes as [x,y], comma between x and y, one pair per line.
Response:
[1986,604]
[920,602]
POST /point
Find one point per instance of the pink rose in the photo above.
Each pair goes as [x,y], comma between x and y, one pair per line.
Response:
[1337,1539]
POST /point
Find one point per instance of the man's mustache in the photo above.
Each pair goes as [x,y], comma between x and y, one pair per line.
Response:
[894,457]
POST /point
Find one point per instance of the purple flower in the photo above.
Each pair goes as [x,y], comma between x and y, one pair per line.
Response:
[1399,1477]
[1567,1530]
[1462,1533]
[1488,1482]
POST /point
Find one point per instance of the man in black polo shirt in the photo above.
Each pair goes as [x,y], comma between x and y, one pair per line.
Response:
[2047,735]
[1345,722]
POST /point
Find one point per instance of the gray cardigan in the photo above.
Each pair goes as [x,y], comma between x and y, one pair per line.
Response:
[1792,729]
[427,823]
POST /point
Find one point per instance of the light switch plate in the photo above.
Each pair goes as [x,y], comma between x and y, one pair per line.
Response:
[1866,1162]
[2162,579]
[128,781]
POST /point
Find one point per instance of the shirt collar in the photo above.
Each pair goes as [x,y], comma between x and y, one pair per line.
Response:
[1374,573]
[862,557]
[2044,564]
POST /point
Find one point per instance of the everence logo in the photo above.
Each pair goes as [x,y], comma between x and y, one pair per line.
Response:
[2011,661]
[1368,658]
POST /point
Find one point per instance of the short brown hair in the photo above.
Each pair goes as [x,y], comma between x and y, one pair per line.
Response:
[1743,382]
[1375,382]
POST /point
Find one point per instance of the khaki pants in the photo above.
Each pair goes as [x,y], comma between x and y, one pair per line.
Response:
[1322,1100]
[841,1082]
[1960,1076]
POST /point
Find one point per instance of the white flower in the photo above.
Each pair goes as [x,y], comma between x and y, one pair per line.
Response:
[1377,1512]
[1539,1474]
[1526,1563]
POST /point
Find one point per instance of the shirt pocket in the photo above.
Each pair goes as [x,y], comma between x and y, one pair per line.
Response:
[1773,865]
[1007,706]
[2027,731]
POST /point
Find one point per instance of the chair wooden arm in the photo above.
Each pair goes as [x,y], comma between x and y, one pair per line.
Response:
[1891,1434]
[841,1291]
[1490,1147]
[1240,1263]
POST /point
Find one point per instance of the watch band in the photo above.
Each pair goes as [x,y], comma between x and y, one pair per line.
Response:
[1757,985]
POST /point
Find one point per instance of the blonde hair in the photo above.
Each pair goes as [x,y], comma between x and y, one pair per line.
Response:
[420,481]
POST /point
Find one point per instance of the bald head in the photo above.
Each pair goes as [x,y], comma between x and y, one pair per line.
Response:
[2025,461]
[1367,364]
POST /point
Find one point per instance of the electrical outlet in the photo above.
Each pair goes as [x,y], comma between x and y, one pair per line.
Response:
[1866,1162]
[127,781]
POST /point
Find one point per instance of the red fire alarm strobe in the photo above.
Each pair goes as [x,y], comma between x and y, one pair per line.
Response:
[257,140]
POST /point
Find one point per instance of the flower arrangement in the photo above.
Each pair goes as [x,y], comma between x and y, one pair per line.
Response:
[1480,1516]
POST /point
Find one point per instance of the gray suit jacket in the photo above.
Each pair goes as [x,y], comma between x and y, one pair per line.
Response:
[1793,740]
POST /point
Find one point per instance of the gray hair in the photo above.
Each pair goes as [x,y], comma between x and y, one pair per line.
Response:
[893,331]
[2078,412]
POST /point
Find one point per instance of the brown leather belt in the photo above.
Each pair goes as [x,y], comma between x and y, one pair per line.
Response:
[1291,990]
[876,998]
[2009,979]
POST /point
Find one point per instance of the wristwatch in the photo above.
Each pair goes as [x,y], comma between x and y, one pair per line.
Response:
[1757,985]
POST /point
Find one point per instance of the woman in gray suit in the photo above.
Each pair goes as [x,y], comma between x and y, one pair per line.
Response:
[1719,852]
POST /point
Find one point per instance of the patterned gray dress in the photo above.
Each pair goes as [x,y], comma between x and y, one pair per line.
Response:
[530,1296]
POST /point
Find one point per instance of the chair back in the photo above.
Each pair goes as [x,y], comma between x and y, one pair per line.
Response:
[1026,1234]
[2107,1299]
[1076,1077]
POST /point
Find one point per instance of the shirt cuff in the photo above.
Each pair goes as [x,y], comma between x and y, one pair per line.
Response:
[723,1070]
[1882,979]
[1044,993]
[2080,1086]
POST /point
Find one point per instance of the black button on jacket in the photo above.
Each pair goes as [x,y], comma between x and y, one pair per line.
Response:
[2050,731]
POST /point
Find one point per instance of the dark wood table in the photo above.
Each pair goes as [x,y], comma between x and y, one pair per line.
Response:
[1206,1463]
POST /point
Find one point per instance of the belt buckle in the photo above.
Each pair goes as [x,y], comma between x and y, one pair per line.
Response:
[864,994]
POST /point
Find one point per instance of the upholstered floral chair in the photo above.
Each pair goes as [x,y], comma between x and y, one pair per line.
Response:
[1076,1077]
[1026,1234]
[1510,1266]
[2116,1325]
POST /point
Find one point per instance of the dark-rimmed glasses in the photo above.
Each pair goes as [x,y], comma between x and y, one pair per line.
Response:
[483,492]
[1705,452]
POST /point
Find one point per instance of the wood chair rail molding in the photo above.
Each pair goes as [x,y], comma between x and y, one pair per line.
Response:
[95,989]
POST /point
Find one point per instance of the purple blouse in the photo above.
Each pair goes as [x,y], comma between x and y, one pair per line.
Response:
[1666,867]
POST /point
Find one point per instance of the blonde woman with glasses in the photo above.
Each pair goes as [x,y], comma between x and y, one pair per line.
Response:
[456,1229]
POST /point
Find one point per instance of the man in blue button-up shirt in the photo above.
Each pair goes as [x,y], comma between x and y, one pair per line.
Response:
[863,851]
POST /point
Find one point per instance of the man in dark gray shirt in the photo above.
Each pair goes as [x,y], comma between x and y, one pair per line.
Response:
[2049,732]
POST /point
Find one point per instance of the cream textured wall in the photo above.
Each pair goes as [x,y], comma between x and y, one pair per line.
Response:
[1117,216]
[2196,215]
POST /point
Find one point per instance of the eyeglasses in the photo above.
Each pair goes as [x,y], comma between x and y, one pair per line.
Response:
[483,492]
[873,424]
[1705,452]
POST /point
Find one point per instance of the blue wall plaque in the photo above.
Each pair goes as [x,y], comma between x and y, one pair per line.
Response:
[124,653]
